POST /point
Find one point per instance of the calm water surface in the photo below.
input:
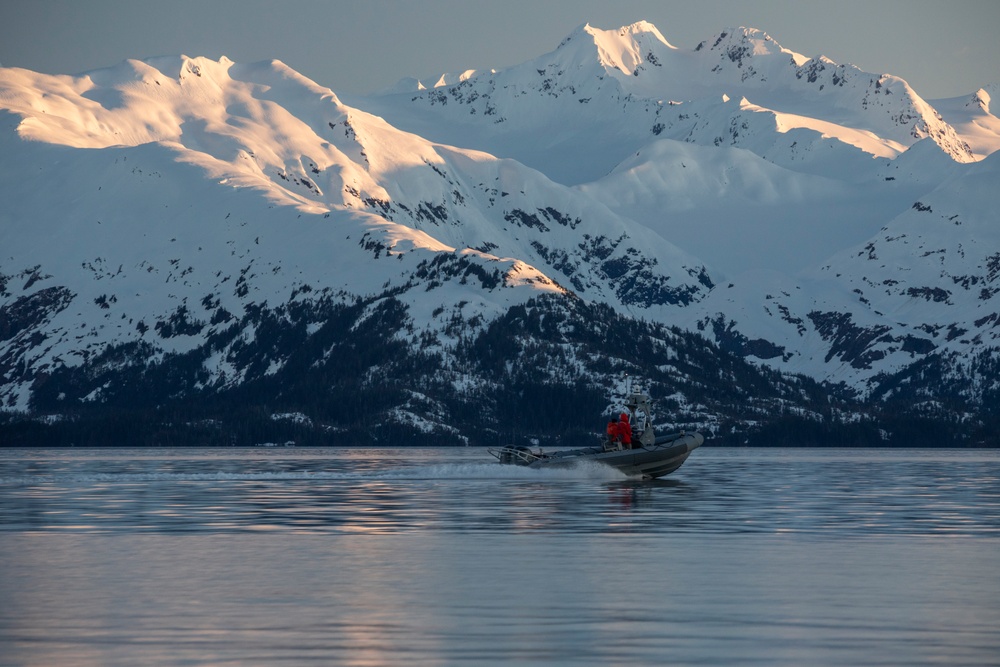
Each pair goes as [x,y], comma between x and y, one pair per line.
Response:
[440,556]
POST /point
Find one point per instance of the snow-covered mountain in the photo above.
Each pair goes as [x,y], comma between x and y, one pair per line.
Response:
[622,88]
[971,117]
[195,228]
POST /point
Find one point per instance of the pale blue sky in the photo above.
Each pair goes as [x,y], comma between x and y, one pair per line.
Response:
[943,49]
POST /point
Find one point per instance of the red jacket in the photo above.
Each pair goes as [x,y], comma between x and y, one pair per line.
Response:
[625,430]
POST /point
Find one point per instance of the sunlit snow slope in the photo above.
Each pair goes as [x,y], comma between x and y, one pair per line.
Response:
[171,195]
[806,215]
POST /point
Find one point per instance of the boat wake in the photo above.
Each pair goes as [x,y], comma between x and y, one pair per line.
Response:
[580,471]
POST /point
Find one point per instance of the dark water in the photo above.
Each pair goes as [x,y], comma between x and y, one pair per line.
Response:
[416,556]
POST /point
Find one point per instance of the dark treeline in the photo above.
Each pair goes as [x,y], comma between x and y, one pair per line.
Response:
[357,374]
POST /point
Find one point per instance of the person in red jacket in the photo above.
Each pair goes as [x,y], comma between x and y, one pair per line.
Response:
[625,430]
[614,432]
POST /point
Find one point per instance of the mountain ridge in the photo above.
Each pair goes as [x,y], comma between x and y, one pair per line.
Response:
[225,216]
[668,94]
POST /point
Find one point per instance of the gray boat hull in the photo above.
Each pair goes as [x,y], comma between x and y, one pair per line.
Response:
[663,457]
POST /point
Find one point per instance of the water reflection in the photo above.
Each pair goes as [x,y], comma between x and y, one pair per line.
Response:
[442,557]
[372,491]
[444,597]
